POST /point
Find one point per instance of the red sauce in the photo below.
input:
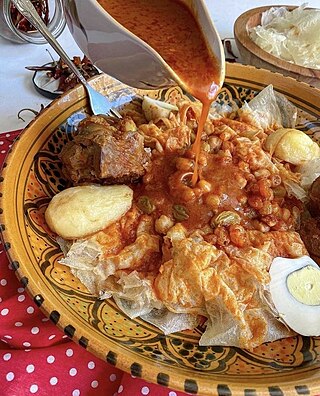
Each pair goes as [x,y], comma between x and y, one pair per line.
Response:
[171,29]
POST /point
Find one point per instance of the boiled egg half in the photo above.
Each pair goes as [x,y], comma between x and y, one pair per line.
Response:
[295,292]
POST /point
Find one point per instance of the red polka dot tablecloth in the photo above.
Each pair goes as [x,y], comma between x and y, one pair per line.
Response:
[36,358]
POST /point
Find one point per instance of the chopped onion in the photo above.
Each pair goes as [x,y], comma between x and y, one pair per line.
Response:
[290,35]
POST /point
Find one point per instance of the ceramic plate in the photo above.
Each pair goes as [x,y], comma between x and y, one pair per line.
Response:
[32,176]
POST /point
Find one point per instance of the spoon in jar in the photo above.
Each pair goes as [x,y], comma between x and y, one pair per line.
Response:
[99,103]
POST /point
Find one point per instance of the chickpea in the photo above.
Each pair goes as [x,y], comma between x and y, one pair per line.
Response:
[261,226]
[187,195]
[203,160]
[214,143]
[163,224]
[285,214]
[225,135]
[243,199]
[205,146]
[244,166]
[184,164]
[275,208]
[262,174]
[255,202]
[238,235]
[270,220]
[204,185]
[240,180]
[226,145]
[264,189]
[266,208]
[213,201]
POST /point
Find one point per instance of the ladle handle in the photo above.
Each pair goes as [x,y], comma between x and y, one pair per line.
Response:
[26,8]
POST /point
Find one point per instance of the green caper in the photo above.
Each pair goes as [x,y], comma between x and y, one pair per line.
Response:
[145,204]
[225,218]
[179,212]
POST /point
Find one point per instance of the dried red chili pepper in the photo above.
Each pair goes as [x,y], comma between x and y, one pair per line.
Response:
[21,23]
[67,79]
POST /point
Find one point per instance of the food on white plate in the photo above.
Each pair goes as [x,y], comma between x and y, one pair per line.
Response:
[292,145]
[83,210]
[295,292]
[185,254]
[290,35]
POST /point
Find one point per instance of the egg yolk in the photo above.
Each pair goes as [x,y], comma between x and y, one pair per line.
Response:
[304,285]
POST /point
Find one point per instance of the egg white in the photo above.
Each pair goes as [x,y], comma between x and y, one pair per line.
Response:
[302,318]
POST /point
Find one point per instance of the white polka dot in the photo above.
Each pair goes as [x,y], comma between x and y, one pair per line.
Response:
[76,392]
[27,350]
[26,344]
[21,298]
[45,320]
[35,330]
[69,352]
[18,324]
[94,384]
[65,336]
[8,337]
[1,142]
[53,381]
[34,388]
[7,134]
[30,368]
[21,290]
[2,151]
[10,376]
[51,337]
[3,282]
[73,372]
[172,393]
[7,357]
[91,365]
[120,389]
[50,359]
[112,377]
[30,310]
[0,299]
[4,311]
[145,390]
[10,266]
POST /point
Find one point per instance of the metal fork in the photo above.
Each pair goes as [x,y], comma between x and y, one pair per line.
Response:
[99,104]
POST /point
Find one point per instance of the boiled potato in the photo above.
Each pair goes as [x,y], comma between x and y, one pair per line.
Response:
[80,211]
[154,109]
[292,145]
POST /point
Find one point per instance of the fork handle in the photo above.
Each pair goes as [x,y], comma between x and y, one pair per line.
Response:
[26,8]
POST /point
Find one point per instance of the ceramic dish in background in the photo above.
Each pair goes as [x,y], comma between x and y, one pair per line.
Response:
[252,54]
[32,175]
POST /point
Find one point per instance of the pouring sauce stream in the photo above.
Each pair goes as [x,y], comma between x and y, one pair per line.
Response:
[170,28]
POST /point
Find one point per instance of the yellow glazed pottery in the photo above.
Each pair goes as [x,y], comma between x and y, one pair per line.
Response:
[32,175]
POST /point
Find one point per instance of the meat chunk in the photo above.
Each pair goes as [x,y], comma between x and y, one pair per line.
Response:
[314,198]
[106,150]
[310,234]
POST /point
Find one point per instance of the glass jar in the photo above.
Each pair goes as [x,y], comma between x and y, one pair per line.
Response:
[8,30]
